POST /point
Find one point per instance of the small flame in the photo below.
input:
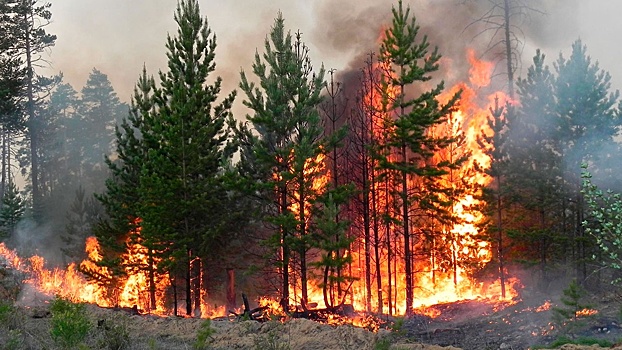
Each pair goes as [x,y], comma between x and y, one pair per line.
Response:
[544,307]
[586,312]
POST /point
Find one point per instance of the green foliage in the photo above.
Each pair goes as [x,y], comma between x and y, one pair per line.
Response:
[578,341]
[167,189]
[281,147]
[69,324]
[406,153]
[398,325]
[6,311]
[13,207]
[80,219]
[331,238]
[568,318]
[382,344]
[271,341]
[11,327]
[15,340]
[604,222]
[152,344]
[204,335]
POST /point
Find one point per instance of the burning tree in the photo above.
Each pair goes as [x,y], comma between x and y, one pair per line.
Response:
[165,200]
[406,155]
[285,147]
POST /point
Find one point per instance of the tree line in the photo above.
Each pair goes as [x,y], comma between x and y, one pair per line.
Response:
[318,185]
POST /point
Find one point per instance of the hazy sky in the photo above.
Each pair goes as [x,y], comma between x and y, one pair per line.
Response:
[119,36]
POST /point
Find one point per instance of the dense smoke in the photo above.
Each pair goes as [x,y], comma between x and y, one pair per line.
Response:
[118,37]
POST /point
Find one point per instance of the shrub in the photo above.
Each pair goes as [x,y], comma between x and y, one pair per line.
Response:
[69,324]
[6,311]
[568,318]
[204,335]
[115,334]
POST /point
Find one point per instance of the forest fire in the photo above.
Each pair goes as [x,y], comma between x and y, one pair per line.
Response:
[437,279]
[447,253]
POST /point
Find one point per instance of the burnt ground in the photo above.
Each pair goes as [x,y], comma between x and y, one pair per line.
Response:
[479,325]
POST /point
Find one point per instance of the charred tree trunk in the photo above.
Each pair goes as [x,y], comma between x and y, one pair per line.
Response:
[285,252]
[152,286]
[188,282]
[387,227]
[366,222]
[508,48]
[327,291]
[406,233]
[174,285]
[197,267]
[303,246]
[500,238]
[377,244]
[231,302]
[581,262]
[5,161]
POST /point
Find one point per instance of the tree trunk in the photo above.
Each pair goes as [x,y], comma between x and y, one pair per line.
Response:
[231,302]
[500,238]
[286,252]
[188,282]
[374,210]
[5,155]
[367,233]
[303,246]
[174,285]
[406,228]
[32,122]
[390,256]
[198,287]
[152,286]
[508,48]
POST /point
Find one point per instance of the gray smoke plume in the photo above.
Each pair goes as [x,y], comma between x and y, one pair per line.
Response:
[118,36]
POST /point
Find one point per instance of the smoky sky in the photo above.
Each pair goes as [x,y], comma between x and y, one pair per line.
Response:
[119,36]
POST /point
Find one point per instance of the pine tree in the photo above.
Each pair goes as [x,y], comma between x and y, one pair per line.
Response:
[495,195]
[65,158]
[181,184]
[12,77]
[29,21]
[330,237]
[586,115]
[99,110]
[288,148]
[80,221]
[13,208]
[533,171]
[568,317]
[586,121]
[503,20]
[408,150]
[121,199]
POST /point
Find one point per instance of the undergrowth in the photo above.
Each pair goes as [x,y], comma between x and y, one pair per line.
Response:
[204,335]
[563,340]
[69,325]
